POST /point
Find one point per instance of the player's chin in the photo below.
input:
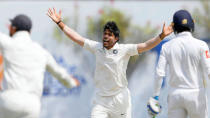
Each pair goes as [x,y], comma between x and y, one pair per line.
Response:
[105,44]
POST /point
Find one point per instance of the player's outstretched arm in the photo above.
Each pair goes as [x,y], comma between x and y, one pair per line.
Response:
[60,73]
[142,47]
[74,36]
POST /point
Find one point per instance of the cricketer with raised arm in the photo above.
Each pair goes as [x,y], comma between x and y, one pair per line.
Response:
[112,99]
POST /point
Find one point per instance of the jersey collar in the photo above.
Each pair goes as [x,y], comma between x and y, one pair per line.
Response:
[113,48]
[21,35]
[184,34]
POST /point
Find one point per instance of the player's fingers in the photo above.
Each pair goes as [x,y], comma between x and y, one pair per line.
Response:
[164,24]
[48,15]
[50,11]
[59,12]
[54,10]
[163,28]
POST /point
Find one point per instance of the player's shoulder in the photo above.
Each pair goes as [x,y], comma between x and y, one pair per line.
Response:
[200,43]
[39,48]
[37,45]
[168,44]
[96,44]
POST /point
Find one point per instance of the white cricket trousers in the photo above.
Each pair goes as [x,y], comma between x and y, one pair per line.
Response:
[16,104]
[184,103]
[117,106]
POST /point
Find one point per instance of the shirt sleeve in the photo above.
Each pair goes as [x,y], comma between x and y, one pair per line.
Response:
[160,72]
[59,72]
[205,58]
[131,49]
[4,39]
[162,63]
[91,45]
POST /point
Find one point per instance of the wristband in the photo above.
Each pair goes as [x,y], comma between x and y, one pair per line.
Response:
[59,22]
[161,37]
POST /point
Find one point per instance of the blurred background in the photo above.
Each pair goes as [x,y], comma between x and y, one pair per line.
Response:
[138,20]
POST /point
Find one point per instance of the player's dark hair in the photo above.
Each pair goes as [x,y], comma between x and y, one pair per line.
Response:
[112,27]
[179,29]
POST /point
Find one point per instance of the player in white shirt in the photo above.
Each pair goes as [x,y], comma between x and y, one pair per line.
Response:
[188,62]
[25,62]
[112,99]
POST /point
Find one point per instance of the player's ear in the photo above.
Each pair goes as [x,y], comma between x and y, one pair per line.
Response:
[172,24]
[117,39]
[12,30]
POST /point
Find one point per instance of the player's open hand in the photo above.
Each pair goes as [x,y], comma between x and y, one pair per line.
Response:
[167,30]
[56,17]
[77,82]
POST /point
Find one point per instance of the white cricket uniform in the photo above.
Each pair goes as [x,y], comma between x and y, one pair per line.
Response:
[24,65]
[188,63]
[112,98]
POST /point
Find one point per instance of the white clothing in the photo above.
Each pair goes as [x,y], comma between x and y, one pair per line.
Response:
[186,57]
[116,106]
[187,102]
[18,104]
[188,62]
[24,65]
[111,65]
[112,98]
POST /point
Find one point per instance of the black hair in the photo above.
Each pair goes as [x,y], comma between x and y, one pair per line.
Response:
[112,27]
[179,29]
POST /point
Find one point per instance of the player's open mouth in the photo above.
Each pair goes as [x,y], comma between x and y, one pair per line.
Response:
[105,43]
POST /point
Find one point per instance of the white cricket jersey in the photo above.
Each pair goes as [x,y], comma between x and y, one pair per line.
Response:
[110,72]
[188,61]
[25,63]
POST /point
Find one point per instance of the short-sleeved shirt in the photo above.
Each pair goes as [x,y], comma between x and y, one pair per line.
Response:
[111,65]
[188,61]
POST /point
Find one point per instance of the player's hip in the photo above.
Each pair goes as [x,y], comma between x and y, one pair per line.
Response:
[119,101]
[186,97]
[190,101]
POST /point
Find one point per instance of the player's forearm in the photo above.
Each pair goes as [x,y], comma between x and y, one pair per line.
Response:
[142,47]
[68,82]
[153,42]
[157,85]
[74,36]
[62,76]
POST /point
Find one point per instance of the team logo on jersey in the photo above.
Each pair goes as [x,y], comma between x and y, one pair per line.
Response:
[207,54]
[115,51]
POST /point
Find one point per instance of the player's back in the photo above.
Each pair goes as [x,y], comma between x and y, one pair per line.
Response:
[24,64]
[183,54]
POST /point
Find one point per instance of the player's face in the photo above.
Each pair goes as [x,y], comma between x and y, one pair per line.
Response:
[109,39]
